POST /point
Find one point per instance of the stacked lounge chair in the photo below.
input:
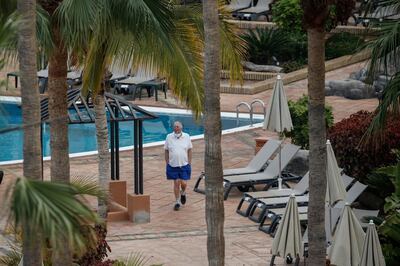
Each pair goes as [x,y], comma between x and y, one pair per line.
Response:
[268,205]
[299,189]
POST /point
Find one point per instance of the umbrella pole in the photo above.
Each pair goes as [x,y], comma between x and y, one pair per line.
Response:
[272,260]
[280,147]
[330,218]
[280,174]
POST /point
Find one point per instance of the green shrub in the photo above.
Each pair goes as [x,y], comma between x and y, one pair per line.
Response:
[389,231]
[357,160]
[342,44]
[299,113]
[288,15]
[263,44]
[294,65]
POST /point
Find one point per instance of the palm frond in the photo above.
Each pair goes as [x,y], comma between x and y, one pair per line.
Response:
[54,210]
[385,50]
[43,31]
[233,49]
[389,105]
[134,259]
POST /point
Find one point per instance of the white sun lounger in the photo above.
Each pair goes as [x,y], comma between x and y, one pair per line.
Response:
[298,189]
[265,205]
[256,164]
[236,5]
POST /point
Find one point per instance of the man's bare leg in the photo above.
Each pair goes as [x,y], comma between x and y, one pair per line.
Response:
[183,192]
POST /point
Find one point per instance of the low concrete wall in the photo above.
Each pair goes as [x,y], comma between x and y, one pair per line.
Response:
[295,75]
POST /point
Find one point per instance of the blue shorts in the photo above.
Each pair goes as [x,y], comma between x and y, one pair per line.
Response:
[174,173]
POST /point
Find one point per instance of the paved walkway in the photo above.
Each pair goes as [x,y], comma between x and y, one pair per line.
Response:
[179,238]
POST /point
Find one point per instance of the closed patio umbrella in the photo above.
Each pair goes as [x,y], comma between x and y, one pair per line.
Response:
[348,241]
[372,251]
[288,239]
[335,189]
[278,116]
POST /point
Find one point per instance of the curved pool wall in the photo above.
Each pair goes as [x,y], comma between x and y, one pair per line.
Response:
[82,137]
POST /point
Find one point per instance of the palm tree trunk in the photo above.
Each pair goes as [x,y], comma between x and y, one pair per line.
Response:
[59,169]
[317,136]
[32,168]
[212,135]
[102,147]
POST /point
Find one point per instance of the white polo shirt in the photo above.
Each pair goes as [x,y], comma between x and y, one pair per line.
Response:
[178,149]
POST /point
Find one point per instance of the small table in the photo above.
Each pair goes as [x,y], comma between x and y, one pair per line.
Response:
[155,85]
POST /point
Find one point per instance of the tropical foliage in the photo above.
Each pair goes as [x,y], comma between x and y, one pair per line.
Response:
[55,210]
[266,44]
[385,56]
[299,114]
[389,230]
[359,160]
[289,49]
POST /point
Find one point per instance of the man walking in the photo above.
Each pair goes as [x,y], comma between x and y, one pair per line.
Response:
[178,157]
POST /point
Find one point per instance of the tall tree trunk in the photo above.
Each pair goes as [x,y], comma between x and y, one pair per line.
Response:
[32,168]
[102,148]
[212,136]
[58,112]
[317,136]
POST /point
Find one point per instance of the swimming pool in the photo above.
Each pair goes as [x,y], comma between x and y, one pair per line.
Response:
[82,137]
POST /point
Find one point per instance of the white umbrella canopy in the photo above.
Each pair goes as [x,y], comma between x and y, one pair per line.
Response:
[288,238]
[372,252]
[335,189]
[348,241]
[278,116]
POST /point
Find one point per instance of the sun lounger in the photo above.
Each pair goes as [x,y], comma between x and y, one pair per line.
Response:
[133,85]
[258,161]
[252,13]
[256,164]
[299,189]
[265,205]
[268,176]
[236,5]
[379,14]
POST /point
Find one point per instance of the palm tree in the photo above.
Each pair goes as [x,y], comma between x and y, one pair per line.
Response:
[315,15]
[212,136]
[31,116]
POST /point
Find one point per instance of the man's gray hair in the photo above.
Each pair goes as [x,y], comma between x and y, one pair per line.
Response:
[178,123]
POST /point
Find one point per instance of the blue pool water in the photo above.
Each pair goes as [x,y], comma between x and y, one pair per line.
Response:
[82,137]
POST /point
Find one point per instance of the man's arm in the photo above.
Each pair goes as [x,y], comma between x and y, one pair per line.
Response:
[166,156]
[190,156]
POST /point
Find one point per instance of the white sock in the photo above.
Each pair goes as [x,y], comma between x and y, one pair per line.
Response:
[178,201]
[183,192]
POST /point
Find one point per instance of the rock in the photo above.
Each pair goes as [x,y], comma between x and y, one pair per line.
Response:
[329,91]
[349,88]
[354,94]
[261,68]
[360,75]
[299,164]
